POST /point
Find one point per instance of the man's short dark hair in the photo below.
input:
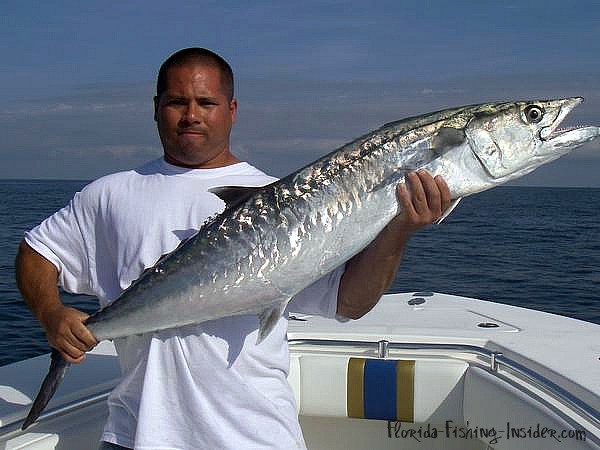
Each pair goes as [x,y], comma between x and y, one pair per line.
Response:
[200,56]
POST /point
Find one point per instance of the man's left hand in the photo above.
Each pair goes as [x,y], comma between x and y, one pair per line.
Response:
[423,202]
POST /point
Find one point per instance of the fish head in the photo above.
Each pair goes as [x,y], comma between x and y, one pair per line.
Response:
[512,139]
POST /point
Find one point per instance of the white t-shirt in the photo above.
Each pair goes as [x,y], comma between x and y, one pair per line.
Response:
[206,386]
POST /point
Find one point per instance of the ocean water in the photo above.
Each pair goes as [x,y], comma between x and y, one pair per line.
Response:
[533,247]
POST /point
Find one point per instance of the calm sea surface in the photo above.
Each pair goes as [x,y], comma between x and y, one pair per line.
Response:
[532,247]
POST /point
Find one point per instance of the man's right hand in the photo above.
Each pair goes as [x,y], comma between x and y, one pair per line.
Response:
[66,332]
[37,281]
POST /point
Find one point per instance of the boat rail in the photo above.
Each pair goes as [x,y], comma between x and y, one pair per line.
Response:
[494,362]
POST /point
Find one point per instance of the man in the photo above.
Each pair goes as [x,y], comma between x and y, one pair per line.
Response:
[200,386]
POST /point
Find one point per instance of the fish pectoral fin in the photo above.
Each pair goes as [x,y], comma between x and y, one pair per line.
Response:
[446,138]
[428,148]
[233,195]
[392,179]
[453,205]
[268,319]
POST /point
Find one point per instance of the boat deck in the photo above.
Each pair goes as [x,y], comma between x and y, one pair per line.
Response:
[475,374]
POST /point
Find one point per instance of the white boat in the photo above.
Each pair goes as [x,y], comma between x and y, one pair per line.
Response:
[420,371]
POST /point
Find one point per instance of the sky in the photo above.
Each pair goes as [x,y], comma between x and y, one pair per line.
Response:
[77,78]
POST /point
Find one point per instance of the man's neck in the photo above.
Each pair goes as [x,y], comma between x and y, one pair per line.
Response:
[222,160]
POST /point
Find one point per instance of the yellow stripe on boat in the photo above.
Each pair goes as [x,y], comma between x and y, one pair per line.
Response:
[355,399]
[405,391]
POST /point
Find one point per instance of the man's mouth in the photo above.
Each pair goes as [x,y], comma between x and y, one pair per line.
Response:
[190,131]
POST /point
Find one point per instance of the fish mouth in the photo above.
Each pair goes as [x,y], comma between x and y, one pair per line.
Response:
[560,131]
[552,132]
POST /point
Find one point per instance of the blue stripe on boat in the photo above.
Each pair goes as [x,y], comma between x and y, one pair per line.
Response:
[380,389]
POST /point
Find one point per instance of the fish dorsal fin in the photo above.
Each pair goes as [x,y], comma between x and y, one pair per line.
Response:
[267,320]
[234,195]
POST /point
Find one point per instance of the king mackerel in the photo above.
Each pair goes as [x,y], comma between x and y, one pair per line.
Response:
[273,241]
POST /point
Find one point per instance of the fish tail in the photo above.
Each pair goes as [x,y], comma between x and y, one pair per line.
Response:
[56,373]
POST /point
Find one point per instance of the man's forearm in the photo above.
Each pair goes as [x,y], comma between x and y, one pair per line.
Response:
[370,273]
[36,279]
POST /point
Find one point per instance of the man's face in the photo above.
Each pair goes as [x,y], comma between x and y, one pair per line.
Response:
[194,117]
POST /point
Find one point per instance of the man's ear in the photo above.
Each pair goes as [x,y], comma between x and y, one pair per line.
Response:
[155,109]
[233,109]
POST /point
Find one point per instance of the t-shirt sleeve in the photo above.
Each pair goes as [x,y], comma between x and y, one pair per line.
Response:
[320,298]
[61,239]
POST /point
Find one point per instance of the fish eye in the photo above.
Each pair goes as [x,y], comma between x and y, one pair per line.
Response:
[533,114]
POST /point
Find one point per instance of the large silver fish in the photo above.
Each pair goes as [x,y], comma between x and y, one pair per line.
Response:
[272,242]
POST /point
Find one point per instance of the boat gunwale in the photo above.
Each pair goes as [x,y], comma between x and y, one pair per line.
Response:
[13,428]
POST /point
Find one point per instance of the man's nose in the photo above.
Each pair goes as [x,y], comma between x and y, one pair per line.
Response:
[191,113]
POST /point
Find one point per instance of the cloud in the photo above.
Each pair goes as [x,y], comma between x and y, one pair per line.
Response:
[429,91]
[66,109]
[90,131]
[282,123]
[269,154]
[123,152]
